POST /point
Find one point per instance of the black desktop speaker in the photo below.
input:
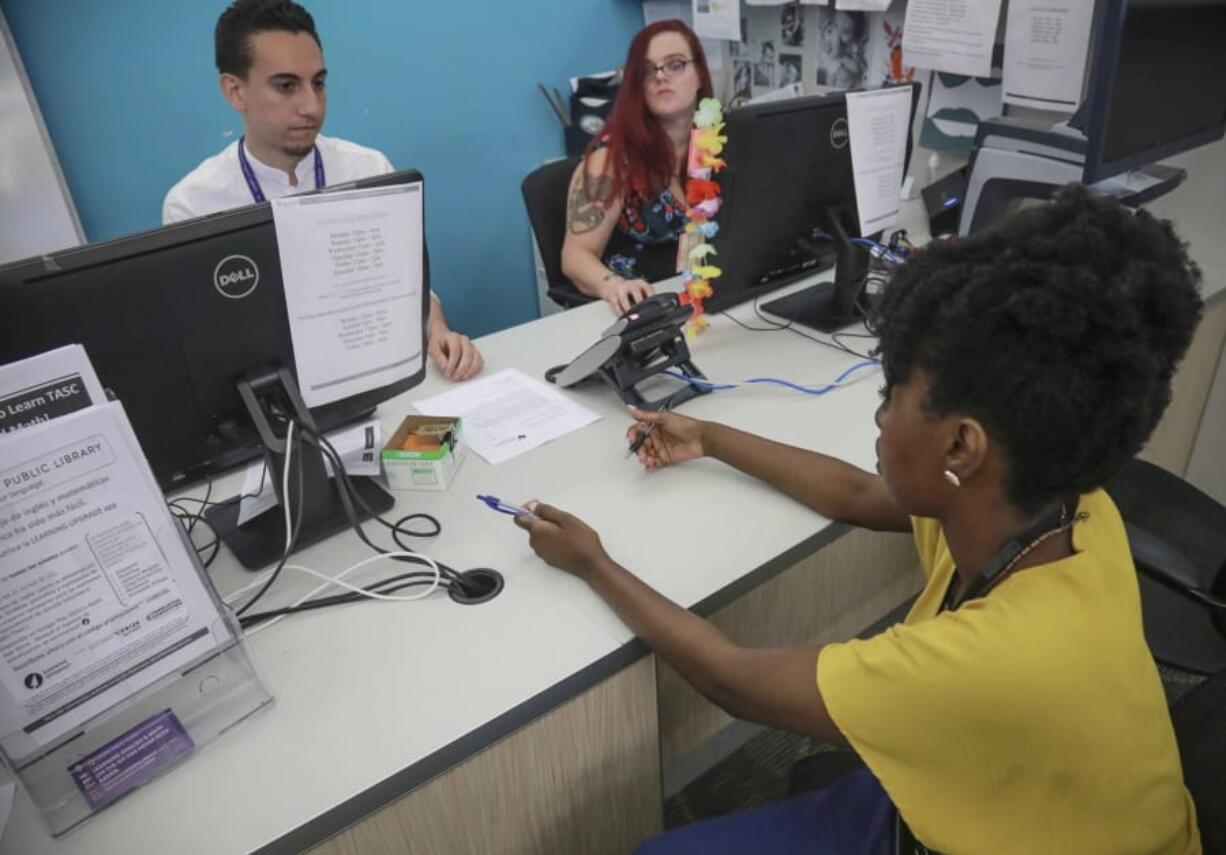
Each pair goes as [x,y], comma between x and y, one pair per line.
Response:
[943,199]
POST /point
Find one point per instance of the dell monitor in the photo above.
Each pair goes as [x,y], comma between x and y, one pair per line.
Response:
[187,325]
[789,209]
[1157,83]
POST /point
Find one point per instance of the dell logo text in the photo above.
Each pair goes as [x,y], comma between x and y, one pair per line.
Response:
[236,276]
[838,133]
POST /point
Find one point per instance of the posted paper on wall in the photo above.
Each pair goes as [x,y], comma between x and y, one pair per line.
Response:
[951,35]
[508,413]
[878,122]
[718,19]
[1045,53]
[99,596]
[352,266]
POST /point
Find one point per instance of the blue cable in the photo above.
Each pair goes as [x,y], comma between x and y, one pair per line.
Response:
[708,386]
[888,253]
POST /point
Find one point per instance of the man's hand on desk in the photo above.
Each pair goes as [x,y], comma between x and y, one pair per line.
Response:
[455,354]
[562,540]
[673,439]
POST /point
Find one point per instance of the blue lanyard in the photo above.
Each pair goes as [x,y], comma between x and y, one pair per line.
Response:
[253,183]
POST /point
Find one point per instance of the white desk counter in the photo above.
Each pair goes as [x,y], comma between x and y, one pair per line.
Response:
[374,699]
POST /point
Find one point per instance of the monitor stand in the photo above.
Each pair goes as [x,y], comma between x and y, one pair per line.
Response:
[270,396]
[829,306]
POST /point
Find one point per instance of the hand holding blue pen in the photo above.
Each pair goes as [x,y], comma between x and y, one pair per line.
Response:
[496,504]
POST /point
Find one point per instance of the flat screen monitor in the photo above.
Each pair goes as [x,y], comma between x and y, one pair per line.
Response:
[172,318]
[788,192]
[1157,82]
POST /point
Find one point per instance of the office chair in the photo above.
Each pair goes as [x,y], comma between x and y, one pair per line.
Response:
[1198,718]
[1177,535]
[544,192]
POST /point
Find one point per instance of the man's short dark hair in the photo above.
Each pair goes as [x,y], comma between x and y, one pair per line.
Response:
[1059,330]
[244,19]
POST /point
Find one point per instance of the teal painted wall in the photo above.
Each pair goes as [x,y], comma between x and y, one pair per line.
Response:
[129,94]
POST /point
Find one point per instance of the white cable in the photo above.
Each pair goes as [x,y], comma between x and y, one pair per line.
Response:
[289,453]
[329,580]
[336,581]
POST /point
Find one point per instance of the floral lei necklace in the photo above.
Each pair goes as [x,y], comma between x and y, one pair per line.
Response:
[703,203]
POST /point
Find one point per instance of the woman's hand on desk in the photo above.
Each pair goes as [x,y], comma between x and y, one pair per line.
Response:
[674,439]
[562,540]
[622,294]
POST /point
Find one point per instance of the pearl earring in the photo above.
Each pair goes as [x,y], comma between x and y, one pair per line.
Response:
[952,477]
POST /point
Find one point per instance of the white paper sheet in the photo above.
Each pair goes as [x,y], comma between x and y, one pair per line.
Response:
[98,593]
[1046,45]
[358,446]
[352,266]
[717,19]
[508,413]
[951,35]
[46,386]
[877,124]
[953,114]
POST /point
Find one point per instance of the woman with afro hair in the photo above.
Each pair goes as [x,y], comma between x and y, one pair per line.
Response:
[1016,709]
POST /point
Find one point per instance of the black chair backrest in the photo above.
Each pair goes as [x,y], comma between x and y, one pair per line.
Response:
[545,191]
[1200,729]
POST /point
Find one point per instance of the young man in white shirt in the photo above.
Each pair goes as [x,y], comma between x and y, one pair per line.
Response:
[272,72]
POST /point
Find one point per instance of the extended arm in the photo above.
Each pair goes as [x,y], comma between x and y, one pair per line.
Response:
[836,490]
[591,215]
[774,686]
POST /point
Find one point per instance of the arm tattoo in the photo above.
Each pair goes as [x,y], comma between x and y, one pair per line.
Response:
[586,209]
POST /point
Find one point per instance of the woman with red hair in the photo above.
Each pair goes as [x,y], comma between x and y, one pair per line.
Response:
[626,205]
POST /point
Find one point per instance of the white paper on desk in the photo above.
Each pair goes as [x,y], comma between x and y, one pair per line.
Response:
[99,595]
[877,124]
[951,35]
[717,19]
[46,386]
[1045,53]
[358,447]
[352,266]
[508,413]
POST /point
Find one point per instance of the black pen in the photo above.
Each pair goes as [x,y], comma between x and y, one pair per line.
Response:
[641,438]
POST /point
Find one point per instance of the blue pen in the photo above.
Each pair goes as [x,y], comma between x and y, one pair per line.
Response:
[496,504]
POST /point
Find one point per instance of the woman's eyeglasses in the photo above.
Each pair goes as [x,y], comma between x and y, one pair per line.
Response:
[669,69]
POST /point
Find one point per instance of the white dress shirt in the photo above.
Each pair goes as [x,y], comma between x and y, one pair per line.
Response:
[218,184]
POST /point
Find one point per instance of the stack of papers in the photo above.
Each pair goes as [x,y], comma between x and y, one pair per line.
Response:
[99,594]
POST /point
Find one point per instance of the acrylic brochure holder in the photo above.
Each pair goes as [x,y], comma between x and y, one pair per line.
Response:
[151,732]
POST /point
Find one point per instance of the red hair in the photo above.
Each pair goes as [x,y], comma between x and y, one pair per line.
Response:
[640,159]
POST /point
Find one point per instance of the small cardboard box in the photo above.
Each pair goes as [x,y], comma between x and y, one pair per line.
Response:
[423,453]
